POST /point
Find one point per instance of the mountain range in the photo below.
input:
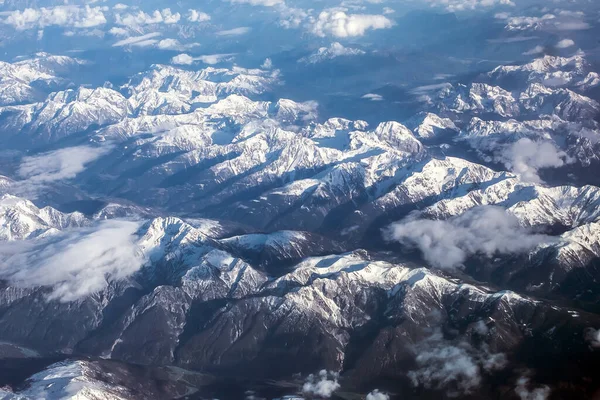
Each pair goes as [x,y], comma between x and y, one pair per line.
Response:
[214,232]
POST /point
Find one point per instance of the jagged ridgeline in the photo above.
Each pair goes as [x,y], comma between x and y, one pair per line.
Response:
[188,234]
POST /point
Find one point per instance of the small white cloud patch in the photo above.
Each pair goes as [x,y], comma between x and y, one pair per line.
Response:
[182,59]
[337,23]
[536,50]
[377,395]
[524,391]
[373,97]
[526,157]
[565,43]
[322,385]
[593,337]
[469,5]
[268,64]
[198,16]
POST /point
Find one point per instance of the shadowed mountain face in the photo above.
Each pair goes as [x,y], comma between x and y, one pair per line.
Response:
[299,200]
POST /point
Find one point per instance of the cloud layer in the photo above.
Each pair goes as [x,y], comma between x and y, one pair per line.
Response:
[485,230]
[60,164]
[65,16]
[74,263]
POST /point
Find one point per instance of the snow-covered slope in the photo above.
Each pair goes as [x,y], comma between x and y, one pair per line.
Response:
[252,215]
[31,79]
[68,380]
[430,126]
[553,71]
[20,219]
[334,50]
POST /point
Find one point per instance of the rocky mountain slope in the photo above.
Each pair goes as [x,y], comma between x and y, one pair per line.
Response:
[213,229]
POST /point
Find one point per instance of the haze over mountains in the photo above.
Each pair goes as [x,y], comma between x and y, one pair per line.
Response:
[259,199]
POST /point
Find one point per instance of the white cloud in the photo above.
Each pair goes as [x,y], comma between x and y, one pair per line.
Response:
[117,31]
[165,16]
[455,366]
[536,50]
[234,32]
[485,230]
[525,393]
[526,157]
[589,134]
[64,16]
[212,59]
[139,41]
[373,97]
[182,59]
[74,263]
[60,164]
[467,5]
[198,16]
[377,395]
[268,64]
[565,43]
[322,385]
[291,17]
[265,3]
[174,44]
[337,23]
[548,22]
[169,44]
[514,39]
[39,171]
[593,337]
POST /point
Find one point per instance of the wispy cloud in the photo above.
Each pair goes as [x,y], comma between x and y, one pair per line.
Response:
[140,41]
[210,59]
[561,21]
[39,171]
[454,365]
[526,392]
[469,5]
[234,32]
[486,230]
[60,164]
[74,263]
